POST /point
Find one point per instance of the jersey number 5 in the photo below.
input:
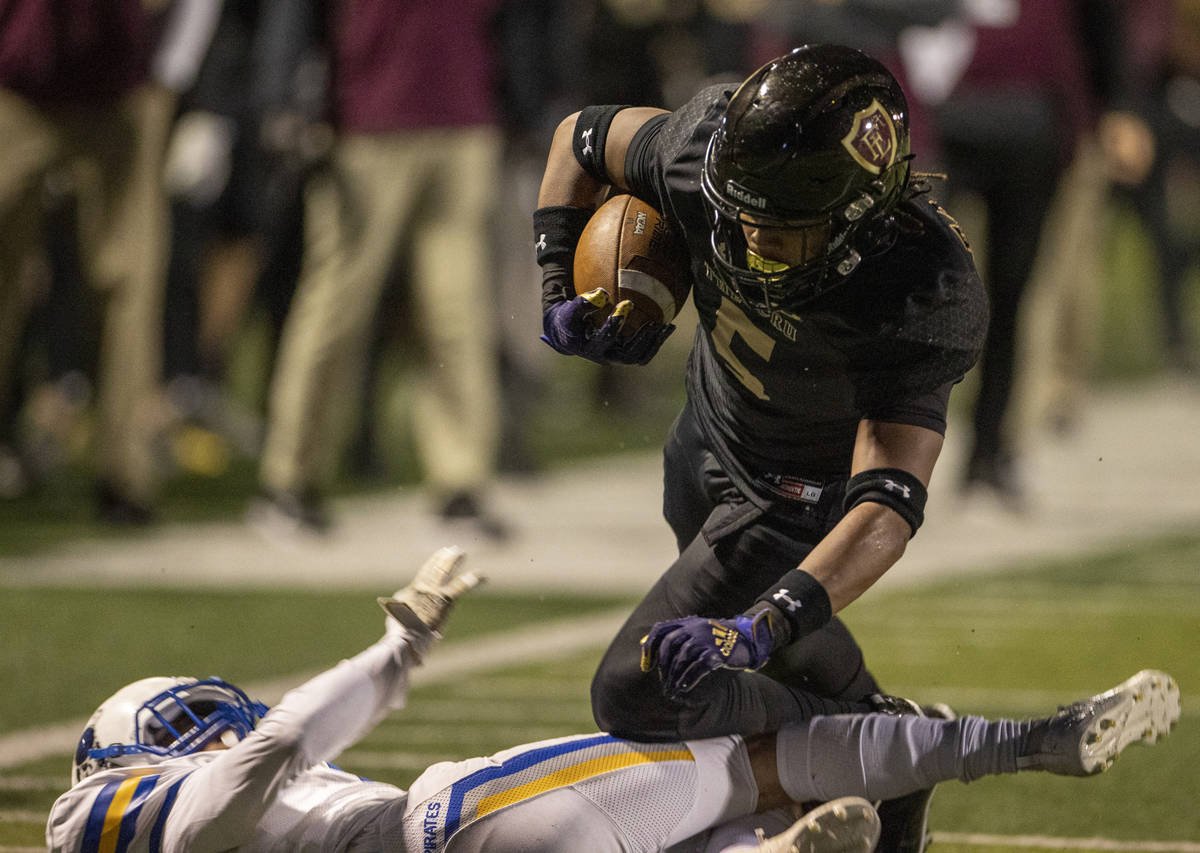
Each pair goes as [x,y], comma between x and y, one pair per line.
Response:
[731,322]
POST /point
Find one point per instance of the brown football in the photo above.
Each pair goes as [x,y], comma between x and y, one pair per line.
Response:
[631,251]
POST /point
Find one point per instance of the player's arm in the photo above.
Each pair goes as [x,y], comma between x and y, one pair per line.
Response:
[221,802]
[335,709]
[566,181]
[885,499]
[586,160]
[890,473]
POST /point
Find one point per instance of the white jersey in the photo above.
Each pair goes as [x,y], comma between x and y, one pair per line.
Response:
[275,791]
[271,791]
[126,809]
[590,792]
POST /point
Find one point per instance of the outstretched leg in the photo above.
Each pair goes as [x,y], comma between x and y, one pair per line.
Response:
[881,757]
[602,793]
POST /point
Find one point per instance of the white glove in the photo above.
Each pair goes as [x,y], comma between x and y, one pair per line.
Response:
[421,607]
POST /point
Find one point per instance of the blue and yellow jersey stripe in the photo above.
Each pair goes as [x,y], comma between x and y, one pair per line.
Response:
[112,821]
[545,768]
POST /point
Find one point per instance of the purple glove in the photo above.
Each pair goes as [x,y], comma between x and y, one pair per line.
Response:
[569,328]
[685,650]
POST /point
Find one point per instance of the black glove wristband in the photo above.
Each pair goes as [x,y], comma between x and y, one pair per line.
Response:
[777,623]
[557,285]
[802,603]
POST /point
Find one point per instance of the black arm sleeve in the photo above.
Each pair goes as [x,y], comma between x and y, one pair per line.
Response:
[641,160]
[927,410]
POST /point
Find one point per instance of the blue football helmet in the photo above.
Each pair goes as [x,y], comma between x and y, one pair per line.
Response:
[157,718]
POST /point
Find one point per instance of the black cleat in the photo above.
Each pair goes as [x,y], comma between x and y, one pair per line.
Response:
[289,514]
[115,508]
[894,706]
[466,507]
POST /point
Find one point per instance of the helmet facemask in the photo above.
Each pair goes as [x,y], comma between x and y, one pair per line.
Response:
[155,719]
[184,720]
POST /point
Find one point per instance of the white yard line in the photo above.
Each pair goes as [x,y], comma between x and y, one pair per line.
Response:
[1050,842]
[547,641]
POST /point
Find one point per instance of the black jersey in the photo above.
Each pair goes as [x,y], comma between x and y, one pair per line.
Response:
[784,391]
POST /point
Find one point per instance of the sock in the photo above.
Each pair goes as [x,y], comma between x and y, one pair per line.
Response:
[881,757]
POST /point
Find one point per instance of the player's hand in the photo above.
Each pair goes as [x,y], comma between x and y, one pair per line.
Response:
[642,345]
[685,650]
[570,328]
[423,605]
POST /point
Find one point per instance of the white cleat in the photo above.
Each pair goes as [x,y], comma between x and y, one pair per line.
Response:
[844,825]
[1086,737]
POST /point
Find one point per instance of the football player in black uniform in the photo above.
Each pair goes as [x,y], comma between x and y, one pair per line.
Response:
[838,305]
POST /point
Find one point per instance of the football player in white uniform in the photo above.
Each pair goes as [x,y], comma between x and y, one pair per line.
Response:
[185,764]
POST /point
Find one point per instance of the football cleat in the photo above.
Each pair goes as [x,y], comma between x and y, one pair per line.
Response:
[893,706]
[1086,737]
[839,826]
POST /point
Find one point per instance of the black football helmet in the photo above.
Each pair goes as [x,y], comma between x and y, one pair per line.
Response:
[819,135]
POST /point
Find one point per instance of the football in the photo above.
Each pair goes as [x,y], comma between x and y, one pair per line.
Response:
[632,252]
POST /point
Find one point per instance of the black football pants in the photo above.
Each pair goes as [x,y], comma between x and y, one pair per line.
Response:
[823,673]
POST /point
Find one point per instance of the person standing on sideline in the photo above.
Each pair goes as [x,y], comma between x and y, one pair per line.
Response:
[407,189]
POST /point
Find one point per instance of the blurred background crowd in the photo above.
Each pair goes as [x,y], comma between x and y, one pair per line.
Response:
[228,230]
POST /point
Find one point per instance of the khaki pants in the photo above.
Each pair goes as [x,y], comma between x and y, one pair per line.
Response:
[117,152]
[427,194]
[1062,314]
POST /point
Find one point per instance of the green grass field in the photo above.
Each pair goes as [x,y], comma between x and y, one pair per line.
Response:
[1016,643]
[1013,643]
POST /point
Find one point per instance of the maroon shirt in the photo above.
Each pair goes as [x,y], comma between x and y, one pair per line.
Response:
[75,51]
[405,64]
[1041,51]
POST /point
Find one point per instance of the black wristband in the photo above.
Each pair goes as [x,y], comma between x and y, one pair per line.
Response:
[556,231]
[800,600]
[892,487]
[590,137]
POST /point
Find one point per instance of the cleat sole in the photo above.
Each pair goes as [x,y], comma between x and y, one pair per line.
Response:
[845,825]
[1141,709]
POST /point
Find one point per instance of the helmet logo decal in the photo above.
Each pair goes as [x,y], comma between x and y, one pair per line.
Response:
[872,139]
[735,190]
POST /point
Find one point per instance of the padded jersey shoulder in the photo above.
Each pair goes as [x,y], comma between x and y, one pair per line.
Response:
[663,163]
